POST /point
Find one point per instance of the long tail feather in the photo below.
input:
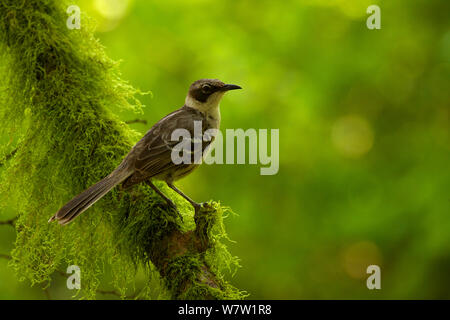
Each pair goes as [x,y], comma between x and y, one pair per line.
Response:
[88,197]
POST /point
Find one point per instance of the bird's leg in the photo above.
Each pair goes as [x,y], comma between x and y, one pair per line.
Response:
[169,202]
[196,205]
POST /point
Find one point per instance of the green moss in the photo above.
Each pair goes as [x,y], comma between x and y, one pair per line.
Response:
[57,88]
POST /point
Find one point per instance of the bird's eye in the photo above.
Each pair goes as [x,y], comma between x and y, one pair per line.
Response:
[206,88]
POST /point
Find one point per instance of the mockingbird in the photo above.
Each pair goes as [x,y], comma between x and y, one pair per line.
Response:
[151,157]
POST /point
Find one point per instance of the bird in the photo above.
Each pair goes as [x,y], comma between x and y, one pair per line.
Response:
[150,158]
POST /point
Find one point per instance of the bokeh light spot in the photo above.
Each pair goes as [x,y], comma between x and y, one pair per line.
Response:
[352,136]
[112,9]
[358,256]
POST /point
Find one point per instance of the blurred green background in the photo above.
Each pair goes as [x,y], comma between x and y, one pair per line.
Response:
[364,135]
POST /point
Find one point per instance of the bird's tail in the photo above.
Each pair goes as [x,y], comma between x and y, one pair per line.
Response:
[88,197]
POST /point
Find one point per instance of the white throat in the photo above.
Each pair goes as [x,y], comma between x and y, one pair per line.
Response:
[210,108]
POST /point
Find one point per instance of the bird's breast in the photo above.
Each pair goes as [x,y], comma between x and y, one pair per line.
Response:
[213,118]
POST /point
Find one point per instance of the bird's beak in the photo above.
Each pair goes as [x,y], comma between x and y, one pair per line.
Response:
[229,87]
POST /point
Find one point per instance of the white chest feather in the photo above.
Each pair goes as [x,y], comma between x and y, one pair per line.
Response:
[213,116]
[210,108]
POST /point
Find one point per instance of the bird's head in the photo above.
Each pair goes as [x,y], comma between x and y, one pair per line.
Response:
[205,94]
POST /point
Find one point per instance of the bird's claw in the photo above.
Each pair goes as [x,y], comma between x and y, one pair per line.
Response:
[197,206]
[202,205]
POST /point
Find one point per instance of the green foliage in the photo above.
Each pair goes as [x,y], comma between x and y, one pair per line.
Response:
[312,69]
[57,90]
[306,66]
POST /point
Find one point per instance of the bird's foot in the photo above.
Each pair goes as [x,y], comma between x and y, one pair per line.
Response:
[197,206]
[202,205]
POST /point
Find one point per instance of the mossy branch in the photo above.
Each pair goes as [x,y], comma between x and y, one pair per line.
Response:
[61,273]
[136,121]
[10,222]
[56,90]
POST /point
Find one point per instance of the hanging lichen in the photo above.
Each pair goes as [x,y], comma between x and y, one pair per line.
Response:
[57,88]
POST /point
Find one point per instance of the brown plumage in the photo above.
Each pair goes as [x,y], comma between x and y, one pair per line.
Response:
[151,157]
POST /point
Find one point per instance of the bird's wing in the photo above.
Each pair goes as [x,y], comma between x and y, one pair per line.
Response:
[155,157]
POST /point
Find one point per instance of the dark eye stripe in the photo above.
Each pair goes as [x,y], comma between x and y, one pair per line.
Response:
[199,95]
[202,89]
